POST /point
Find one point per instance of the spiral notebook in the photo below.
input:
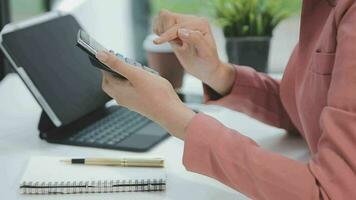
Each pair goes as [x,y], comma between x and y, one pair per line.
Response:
[47,175]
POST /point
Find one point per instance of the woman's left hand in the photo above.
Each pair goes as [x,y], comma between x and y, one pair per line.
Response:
[147,94]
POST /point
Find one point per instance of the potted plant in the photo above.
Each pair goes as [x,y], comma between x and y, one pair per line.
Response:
[248,27]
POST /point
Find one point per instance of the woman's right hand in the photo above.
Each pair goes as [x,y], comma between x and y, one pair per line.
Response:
[194,45]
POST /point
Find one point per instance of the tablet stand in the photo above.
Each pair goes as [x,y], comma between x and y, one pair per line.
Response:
[45,125]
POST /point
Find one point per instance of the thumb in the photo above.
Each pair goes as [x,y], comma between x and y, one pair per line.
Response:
[109,59]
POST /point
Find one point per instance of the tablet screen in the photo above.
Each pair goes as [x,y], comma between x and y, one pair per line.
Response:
[60,71]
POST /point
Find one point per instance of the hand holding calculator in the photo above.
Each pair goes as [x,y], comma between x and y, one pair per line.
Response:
[92,47]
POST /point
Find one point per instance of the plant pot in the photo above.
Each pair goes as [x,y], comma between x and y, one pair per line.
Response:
[164,61]
[249,51]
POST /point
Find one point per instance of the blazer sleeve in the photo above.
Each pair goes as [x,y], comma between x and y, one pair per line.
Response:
[237,161]
[255,94]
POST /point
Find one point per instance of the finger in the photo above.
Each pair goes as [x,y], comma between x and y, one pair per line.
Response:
[165,19]
[180,47]
[172,33]
[169,35]
[110,79]
[159,26]
[166,13]
[194,38]
[155,25]
[112,85]
[176,43]
[129,72]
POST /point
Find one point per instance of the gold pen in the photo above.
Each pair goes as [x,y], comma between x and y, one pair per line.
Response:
[123,162]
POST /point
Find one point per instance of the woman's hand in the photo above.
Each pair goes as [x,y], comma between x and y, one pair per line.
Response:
[146,93]
[194,45]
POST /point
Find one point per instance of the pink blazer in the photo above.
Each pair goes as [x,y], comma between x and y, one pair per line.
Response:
[317,98]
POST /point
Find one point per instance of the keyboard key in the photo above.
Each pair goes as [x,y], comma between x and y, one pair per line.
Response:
[112,129]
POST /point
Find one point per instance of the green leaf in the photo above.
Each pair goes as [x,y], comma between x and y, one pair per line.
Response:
[240,18]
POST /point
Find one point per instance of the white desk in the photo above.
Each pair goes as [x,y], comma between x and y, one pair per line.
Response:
[19,114]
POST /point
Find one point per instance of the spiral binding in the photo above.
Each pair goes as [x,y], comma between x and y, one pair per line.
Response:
[92,186]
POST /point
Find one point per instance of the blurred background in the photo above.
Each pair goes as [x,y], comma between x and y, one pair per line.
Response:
[123,25]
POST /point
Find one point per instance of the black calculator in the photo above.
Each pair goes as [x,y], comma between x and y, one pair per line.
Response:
[92,47]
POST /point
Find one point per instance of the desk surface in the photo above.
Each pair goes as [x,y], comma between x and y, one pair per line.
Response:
[19,114]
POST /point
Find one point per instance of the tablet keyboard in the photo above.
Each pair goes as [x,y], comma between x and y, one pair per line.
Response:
[111,130]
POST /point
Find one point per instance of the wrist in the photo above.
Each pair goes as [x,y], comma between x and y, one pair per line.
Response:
[176,119]
[222,79]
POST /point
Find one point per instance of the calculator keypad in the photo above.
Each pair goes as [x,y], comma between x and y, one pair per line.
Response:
[135,63]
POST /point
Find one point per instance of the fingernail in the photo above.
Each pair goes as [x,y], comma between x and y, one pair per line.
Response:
[102,56]
[184,33]
[156,41]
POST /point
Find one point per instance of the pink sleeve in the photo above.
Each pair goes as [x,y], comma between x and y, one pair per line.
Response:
[255,94]
[226,155]
[237,161]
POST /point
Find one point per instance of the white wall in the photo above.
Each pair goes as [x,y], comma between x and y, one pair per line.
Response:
[109,21]
[285,37]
